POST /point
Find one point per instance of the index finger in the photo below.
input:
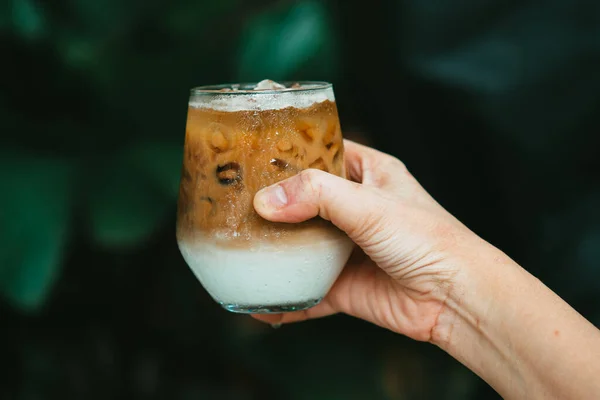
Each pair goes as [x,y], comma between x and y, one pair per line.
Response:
[354,154]
[367,165]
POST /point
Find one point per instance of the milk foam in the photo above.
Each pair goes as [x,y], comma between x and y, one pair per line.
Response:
[257,101]
[267,274]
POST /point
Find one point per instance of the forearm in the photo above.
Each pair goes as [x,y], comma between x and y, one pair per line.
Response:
[516,334]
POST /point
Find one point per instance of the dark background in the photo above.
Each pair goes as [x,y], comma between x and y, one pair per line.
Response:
[494,105]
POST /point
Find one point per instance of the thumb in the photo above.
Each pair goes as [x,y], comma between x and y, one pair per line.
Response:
[356,209]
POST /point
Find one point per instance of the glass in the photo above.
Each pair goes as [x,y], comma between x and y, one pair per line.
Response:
[239,140]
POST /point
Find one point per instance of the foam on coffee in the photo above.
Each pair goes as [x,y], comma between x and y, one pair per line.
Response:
[267,274]
[266,95]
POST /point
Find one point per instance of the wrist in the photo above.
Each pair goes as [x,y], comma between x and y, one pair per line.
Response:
[470,298]
[514,332]
[470,324]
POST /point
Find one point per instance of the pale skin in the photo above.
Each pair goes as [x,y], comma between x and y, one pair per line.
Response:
[421,273]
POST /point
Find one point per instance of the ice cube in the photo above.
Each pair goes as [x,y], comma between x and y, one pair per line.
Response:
[268,84]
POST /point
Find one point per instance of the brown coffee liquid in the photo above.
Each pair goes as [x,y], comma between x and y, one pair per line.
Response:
[229,156]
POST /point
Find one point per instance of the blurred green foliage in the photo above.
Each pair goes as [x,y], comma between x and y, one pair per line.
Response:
[126,144]
[281,42]
[35,218]
[492,104]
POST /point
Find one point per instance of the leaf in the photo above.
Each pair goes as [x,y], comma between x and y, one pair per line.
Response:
[280,42]
[34,216]
[27,18]
[131,196]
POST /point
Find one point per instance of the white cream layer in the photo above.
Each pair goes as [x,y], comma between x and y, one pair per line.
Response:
[268,274]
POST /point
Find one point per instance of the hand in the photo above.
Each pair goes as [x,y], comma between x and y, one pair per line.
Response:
[423,274]
[409,246]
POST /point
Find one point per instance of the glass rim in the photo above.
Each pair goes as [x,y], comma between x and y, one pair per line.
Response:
[307,86]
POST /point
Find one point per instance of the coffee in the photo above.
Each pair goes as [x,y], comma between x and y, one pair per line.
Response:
[238,142]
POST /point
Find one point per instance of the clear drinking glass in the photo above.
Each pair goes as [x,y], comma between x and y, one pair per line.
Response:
[239,140]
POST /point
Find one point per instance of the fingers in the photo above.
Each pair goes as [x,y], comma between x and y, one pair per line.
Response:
[355,150]
[352,207]
[354,155]
[372,167]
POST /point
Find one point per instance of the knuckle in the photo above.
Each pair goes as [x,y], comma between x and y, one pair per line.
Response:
[395,163]
[309,180]
[383,170]
[307,175]
[393,172]
[306,178]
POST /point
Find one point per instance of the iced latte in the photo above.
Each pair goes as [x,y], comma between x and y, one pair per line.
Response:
[240,139]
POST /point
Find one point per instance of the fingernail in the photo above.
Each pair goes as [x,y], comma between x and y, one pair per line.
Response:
[273,197]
